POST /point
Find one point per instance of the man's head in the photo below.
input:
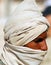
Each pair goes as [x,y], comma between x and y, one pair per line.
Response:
[29,23]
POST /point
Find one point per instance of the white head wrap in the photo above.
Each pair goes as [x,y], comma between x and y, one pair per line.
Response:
[23,26]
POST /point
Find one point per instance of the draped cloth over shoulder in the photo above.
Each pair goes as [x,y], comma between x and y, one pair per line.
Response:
[22,27]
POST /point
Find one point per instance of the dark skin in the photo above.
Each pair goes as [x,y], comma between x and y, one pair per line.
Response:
[39,43]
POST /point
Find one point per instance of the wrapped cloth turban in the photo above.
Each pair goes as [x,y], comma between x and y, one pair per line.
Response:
[24,25]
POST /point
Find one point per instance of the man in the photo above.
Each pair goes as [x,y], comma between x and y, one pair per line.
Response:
[47,14]
[25,33]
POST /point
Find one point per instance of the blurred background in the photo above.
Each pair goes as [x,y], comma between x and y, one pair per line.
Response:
[7,7]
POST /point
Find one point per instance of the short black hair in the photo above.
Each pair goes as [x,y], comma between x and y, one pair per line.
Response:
[47,11]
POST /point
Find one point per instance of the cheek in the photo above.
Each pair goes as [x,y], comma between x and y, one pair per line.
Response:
[37,46]
[33,45]
[49,19]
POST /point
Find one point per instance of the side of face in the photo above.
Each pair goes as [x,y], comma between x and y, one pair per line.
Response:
[39,43]
[49,18]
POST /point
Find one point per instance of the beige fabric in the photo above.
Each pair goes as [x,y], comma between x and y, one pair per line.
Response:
[23,26]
